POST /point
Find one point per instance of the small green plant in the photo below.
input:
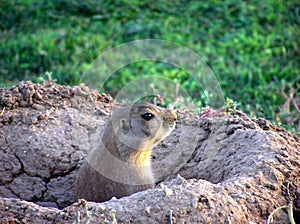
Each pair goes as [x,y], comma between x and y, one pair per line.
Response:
[289,208]
[113,215]
[88,213]
[231,106]
[48,79]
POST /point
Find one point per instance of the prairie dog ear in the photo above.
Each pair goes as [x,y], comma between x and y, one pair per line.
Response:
[124,125]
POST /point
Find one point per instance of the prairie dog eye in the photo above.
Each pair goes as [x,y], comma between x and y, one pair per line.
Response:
[147,116]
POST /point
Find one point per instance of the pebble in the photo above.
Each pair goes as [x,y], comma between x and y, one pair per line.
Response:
[195,202]
[148,210]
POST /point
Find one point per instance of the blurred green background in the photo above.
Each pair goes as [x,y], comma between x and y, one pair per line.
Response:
[252,46]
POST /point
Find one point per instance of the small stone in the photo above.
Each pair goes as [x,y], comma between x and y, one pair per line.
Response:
[99,207]
[148,210]
[236,195]
[121,208]
[113,199]
[168,191]
[251,200]
[180,179]
[195,202]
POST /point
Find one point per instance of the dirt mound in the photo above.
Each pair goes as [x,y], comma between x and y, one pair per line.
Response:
[224,170]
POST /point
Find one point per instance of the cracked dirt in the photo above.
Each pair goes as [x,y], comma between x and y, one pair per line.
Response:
[213,170]
[43,137]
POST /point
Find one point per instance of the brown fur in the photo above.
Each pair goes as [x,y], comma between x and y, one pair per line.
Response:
[120,164]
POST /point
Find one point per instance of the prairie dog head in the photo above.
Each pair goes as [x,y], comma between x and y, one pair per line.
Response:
[143,125]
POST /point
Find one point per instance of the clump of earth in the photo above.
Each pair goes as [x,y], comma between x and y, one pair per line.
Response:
[217,169]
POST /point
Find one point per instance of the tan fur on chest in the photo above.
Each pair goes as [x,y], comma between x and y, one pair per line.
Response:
[141,157]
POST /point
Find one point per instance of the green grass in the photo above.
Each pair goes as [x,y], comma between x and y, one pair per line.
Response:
[252,46]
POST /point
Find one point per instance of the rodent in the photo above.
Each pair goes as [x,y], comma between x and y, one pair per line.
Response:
[121,164]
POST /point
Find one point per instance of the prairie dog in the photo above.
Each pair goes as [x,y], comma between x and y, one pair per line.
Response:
[120,164]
